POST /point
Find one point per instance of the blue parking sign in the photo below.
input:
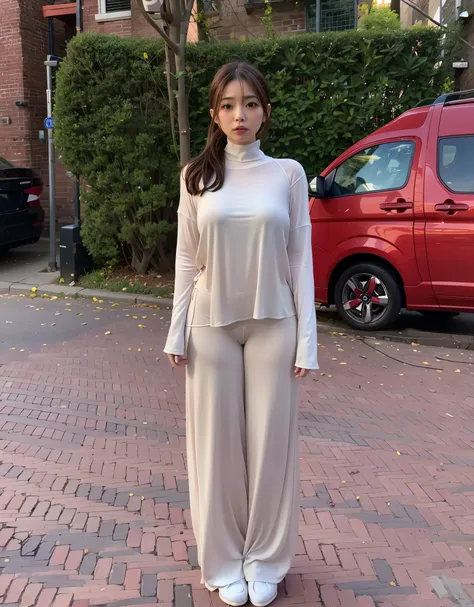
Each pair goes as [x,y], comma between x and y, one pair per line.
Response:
[48,123]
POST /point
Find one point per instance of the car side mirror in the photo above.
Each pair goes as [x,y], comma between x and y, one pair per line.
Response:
[318,187]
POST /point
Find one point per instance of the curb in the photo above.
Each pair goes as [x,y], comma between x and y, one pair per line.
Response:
[423,338]
[18,288]
[444,340]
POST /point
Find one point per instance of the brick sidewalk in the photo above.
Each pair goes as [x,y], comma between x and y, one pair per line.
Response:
[94,498]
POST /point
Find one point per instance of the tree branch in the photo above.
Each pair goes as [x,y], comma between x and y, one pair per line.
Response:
[172,45]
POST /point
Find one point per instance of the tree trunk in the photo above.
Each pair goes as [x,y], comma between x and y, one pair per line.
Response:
[183,113]
[395,6]
[141,263]
[172,88]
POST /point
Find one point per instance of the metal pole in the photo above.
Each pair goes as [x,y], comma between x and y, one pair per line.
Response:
[318,16]
[51,35]
[52,263]
[356,14]
[77,202]
[77,189]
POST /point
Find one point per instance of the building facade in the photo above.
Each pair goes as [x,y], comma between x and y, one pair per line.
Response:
[32,29]
[446,12]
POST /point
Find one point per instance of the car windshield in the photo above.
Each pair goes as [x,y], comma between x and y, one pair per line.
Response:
[4,164]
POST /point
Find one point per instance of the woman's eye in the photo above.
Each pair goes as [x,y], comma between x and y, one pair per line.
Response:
[226,106]
[253,104]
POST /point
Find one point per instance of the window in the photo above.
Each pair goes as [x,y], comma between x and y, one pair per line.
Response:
[114,9]
[375,169]
[331,15]
[455,163]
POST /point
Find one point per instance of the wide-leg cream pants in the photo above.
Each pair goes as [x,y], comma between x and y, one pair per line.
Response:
[242,446]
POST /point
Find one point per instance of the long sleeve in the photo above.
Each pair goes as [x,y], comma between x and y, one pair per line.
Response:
[301,268]
[185,271]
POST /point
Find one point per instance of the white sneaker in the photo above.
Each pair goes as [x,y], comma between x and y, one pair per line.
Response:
[235,594]
[262,593]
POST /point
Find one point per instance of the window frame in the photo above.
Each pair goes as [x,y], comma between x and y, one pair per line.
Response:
[104,15]
[438,161]
[334,171]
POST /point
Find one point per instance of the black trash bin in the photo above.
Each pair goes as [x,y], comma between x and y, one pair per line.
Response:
[74,258]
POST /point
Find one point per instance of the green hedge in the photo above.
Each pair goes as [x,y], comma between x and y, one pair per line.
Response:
[328,91]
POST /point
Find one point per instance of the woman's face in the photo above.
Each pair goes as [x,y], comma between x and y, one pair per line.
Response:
[240,113]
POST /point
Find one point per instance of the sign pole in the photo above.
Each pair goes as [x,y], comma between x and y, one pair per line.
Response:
[52,263]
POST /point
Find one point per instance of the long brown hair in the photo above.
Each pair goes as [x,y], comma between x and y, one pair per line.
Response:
[206,171]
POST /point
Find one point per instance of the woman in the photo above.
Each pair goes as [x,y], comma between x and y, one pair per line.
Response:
[244,325]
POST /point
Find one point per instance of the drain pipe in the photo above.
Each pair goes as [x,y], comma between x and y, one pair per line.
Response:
[77,189]
[78,16]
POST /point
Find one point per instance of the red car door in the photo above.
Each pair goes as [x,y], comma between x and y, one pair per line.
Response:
[369,209]
[449,205]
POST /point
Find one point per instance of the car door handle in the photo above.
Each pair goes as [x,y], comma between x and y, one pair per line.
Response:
[450,207]
[400,205]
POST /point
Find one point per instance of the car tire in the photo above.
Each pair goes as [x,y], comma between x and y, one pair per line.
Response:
[368,297]
[439,315]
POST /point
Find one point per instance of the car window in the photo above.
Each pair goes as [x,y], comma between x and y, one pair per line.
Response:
[455,163]
[375,169]
[4,164]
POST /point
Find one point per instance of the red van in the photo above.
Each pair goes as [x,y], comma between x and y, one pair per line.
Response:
[393,218]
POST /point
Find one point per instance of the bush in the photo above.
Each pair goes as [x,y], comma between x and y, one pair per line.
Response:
[113,130]
[328,91]
[381,19]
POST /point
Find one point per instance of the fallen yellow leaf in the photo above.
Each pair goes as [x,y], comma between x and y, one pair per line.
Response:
[34,289]
[426,363]
[107,332]
[392,583]
[414,344]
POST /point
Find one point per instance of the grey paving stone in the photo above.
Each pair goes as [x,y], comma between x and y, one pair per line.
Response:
[121,531]
[83,490]
[96,493]
[29,547]
[88,564]
[148,584]
[106,528]
[127,602]
[383,570]
[193,556]
[183,596]
[121,499]
[45,550]
[109,496]
[117,574]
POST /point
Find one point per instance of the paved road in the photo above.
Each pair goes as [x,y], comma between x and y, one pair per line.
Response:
[24,262]
[94,498]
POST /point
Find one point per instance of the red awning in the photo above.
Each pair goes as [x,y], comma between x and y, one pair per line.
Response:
[59,10]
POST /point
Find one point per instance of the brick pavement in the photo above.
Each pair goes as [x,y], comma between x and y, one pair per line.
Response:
[94,497]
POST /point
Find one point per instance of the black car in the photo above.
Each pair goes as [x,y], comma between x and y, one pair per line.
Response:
[21,214]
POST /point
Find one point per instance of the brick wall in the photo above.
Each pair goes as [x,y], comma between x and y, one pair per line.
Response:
[23,49]
[13,137]
[235,22]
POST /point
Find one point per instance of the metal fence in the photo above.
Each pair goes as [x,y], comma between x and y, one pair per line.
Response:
[332,15]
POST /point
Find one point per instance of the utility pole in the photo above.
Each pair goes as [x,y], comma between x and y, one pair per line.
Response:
[318,16]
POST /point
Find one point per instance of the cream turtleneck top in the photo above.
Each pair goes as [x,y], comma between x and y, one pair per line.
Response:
[249,246]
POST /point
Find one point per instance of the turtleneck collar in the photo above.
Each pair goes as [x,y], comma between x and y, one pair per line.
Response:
[244,154]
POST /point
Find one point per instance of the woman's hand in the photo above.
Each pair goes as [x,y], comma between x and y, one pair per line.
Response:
[177,361]
[300,373]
